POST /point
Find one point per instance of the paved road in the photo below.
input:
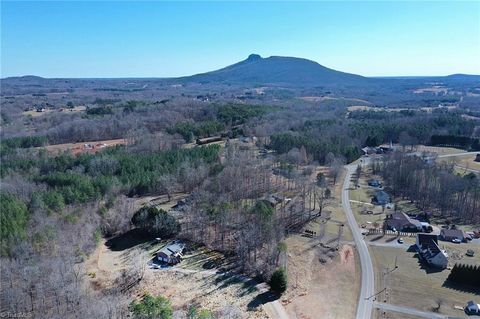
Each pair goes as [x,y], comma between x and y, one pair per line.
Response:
[457,154]
[365,301]
[467,169]
[409,311]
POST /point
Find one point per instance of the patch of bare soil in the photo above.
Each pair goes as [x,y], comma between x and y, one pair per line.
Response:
[83,147]
[323,283]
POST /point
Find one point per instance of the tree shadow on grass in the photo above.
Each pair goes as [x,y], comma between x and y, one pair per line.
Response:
[391,238]
[128,240]
[460,287]
[262,299]
[377,238]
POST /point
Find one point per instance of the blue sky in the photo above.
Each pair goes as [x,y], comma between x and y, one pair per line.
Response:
[160,39]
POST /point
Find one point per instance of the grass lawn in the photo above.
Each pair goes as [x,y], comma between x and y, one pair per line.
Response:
[413,286]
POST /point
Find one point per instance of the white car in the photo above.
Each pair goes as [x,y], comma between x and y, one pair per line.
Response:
[456,241]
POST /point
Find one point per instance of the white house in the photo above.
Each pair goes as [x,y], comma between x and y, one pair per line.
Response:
[427,247]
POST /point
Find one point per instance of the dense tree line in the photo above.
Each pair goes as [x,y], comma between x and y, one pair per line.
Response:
[190,131]
[464,142]
[432,187]
[9,144]
[317,148]
[100,110]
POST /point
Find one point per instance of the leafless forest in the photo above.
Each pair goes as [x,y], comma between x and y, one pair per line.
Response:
[244,195]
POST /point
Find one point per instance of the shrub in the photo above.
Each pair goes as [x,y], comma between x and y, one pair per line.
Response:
[152,308]
[278,281]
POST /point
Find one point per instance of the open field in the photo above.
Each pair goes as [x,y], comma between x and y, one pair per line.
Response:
[34,113]
[412,285]
[463,163]
[382,314]
[77,148]
[310,280]
[324,98]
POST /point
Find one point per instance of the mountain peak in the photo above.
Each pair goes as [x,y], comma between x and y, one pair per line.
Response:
[254,57]
[278,70]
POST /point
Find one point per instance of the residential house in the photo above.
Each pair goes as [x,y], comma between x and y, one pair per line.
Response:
[451,234]
[369,150]
[428,250]
[381,198]
[172,253]
[402,222]
[40,108]
[274,199]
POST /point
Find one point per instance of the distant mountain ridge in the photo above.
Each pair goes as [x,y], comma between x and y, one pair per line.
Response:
[275,70]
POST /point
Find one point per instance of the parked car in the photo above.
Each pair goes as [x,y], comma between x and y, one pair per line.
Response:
[472,308]
[456,241]
[400,240]
[470,253]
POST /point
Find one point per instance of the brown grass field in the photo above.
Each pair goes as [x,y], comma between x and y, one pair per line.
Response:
[413,286]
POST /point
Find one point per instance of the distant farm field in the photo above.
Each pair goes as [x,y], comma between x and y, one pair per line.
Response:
[83,147]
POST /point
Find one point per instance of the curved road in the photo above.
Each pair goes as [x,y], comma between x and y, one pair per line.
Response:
[367,289]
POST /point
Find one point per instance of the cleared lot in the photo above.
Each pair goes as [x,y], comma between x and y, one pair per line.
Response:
[319,274]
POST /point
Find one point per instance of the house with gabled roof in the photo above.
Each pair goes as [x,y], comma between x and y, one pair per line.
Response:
[451,234]
[398,221]
[381,198]
[172,253]
[428,250]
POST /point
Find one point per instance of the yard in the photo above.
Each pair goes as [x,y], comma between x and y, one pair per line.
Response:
[324,268]
[413,286]
[34,113]
[192,282]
